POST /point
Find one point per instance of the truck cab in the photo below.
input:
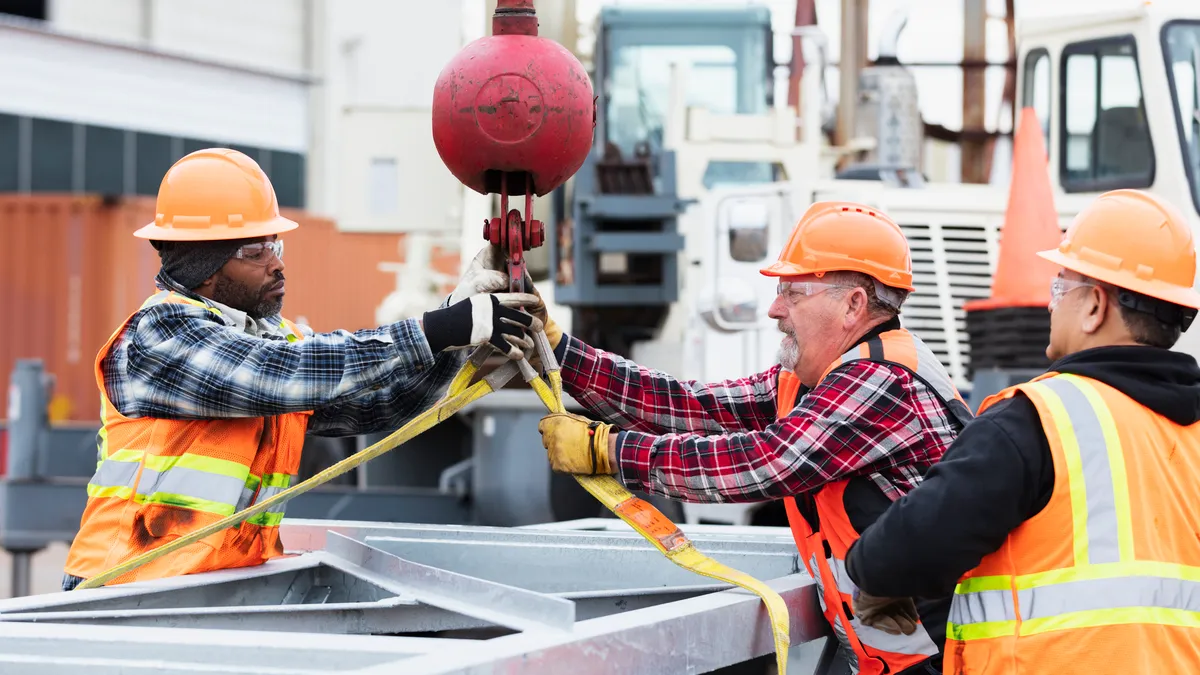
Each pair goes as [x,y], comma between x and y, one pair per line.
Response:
[1118,98]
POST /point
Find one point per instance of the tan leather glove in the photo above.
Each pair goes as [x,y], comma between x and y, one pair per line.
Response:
[895,616]
[576,444]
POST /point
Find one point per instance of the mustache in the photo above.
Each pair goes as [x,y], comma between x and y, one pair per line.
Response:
[786,328]
[275,281]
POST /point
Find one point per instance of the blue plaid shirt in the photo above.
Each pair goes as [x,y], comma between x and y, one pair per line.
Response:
[180,361]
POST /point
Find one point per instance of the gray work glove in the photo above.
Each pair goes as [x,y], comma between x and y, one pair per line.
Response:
[895,616]
[486,273]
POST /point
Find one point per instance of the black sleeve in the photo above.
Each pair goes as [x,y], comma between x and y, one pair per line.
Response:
[996,475]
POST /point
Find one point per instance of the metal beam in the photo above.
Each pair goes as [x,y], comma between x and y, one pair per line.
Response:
[216,648]
[691,636]
[499,604]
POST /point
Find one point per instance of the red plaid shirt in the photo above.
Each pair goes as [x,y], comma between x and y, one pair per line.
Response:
[721,442]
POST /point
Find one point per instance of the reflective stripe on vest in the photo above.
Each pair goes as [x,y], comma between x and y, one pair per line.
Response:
[1106,586]
[271,485]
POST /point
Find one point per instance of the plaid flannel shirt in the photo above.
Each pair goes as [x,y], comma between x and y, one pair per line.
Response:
[721,442]
[180,361]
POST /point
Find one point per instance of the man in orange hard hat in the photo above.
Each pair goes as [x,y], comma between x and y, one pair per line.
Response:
[1064,518]
[854,413]
[207,392]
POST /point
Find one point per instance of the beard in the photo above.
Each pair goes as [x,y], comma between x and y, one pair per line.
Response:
[789,349]
[252,301]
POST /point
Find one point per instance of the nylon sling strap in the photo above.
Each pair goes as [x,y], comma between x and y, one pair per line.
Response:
[639,514]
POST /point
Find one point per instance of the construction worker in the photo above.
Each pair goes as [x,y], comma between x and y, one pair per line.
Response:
[854,413]
[207,392]
[1064,518]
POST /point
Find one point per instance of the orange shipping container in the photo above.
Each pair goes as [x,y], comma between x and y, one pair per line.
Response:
[71,272]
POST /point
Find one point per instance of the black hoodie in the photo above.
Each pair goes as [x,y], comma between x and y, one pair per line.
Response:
[998,474]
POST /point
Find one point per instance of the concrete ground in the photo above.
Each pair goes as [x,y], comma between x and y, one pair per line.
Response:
[47,571]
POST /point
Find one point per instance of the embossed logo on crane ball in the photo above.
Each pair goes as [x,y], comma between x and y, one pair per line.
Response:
[509,108]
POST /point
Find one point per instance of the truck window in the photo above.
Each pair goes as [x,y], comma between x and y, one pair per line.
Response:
[1106,142]
[1181,47]
[1036,89]
[640,88]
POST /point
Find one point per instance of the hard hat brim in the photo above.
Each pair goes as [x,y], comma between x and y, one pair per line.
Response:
[267,228]
[1187,297]
[781,268]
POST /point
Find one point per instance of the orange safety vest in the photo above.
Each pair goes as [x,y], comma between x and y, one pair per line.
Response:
[158,479]
[870,650]
[1106,578]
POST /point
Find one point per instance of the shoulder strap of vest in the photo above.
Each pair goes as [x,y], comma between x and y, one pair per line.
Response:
[171,296]
[294,334]
[902,348]
[787,392]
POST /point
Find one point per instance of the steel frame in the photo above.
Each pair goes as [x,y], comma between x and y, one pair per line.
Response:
[381,598]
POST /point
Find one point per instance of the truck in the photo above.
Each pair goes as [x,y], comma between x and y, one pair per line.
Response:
[1117,95]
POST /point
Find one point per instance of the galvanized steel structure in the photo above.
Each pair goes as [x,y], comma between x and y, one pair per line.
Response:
[584,597]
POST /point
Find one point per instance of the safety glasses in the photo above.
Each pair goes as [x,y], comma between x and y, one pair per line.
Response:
[792,291]
[1060,287]
[260,253]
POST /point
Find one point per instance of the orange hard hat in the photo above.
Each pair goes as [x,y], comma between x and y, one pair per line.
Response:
[215,194]
[1132,240]
[850,237]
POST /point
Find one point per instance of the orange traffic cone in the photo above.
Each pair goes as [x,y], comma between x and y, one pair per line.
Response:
[1008,332]
[1023,279]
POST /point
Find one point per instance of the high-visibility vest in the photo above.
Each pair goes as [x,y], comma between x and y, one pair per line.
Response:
[158,479]
[1106,578]
[870,650]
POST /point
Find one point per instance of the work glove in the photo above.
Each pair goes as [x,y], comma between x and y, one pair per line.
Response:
[576,444]
[482,319]
[486,273]
[553,333]
[895,616]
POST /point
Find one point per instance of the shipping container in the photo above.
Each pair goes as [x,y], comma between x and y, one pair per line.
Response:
[71,271]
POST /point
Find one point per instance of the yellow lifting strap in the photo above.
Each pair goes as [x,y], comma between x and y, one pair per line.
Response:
[641,516]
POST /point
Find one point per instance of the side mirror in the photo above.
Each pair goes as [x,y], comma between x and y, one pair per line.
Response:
[749,231]
[731,307]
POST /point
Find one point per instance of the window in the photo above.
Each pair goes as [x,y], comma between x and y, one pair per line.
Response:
[10,153]
[153,159]
[384,186]
[1106,141]
[30,9]
[1036,89]
[44,155]
[1181,47]
[286,170]
[51,167]
[103,160]
[641,87]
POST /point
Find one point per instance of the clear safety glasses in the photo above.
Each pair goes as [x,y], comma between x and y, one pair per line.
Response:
[260,253]
[792,291]
[1060,287]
